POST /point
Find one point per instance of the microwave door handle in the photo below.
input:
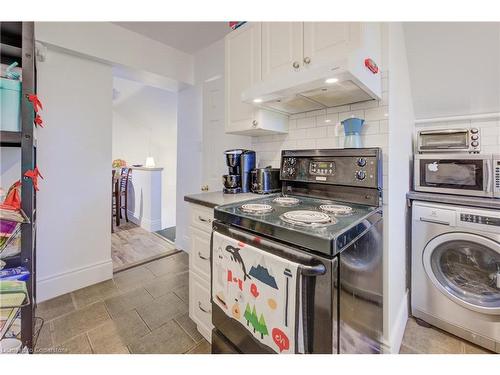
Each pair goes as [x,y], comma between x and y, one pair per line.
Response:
[489,176]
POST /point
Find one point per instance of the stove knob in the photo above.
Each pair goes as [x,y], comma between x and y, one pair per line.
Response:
[474,130]
[361,162]
[474,143]
[360,175]
[475,137]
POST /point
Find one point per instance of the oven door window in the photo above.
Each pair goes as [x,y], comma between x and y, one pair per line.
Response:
[454,141]
[466,268]
[452,174]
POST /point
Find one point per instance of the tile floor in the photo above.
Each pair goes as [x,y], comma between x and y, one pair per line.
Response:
[422,340]
[141,310]
[132,245]
[145,310]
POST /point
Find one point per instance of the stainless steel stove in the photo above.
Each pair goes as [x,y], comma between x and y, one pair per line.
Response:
[327,221]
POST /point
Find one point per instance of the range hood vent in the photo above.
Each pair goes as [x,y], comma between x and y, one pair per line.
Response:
[309,91]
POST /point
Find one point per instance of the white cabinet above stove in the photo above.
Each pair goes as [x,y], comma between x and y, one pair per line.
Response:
[315,65]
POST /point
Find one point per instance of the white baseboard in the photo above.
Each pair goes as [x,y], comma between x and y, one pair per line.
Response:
[399,326]
[56,285]
[149,225]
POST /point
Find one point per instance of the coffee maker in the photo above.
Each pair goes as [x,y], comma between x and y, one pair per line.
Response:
[240,163]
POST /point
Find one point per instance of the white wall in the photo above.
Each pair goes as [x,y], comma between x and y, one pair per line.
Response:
[145,124]
[401,118]
[210,75]
[189,157]
[74,156]
[454,67]
[201,136]
[114,44]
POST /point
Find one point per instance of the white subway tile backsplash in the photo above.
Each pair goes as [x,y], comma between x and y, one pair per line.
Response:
[365,105]
[345,115]
[323,129]
[306,144]
[330,142]
[384,127]
[307,122]
[317,133]
[379,113]
[341,108]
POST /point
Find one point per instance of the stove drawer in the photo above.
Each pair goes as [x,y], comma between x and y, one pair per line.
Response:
[199,258]
[202,218]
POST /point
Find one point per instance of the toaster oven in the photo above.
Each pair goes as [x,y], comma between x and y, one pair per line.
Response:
[449,140]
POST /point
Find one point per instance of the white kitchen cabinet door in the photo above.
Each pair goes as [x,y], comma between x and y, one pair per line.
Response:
[200,307]
[326,42]
[282,48]
[200,253]
[242,70]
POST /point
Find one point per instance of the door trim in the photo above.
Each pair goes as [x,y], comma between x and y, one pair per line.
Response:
[457,236]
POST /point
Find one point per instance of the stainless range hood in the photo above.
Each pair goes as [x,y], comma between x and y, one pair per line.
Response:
[313,89]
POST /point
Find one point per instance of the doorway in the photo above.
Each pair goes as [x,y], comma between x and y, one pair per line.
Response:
[144,141]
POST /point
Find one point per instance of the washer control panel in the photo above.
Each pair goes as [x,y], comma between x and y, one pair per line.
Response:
[496,176]
[480,219]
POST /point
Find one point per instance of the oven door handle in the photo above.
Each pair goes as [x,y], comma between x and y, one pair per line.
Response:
[307,282]
[312,271]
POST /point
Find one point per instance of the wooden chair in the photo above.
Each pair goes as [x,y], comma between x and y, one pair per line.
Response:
[125,178]
[115,200]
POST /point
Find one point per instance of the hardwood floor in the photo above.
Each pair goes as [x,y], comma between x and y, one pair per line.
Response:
[132,245]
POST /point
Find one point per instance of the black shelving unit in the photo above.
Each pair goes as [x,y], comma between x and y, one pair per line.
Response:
[19,40]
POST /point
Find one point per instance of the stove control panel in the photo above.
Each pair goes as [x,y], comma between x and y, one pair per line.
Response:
[347,168]
[322,168]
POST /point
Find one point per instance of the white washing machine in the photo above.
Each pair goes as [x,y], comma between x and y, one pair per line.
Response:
[456,270]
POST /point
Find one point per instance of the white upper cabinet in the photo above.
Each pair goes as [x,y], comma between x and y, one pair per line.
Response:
[282,48]
[325,42]
[243,61]
[243,69]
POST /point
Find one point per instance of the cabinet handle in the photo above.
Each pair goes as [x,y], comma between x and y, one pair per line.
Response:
[255,123]
[296,65]
[202,309]
[204,220]
[202,257]
[307,60]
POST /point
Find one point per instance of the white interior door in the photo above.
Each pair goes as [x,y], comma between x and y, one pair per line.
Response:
[282,47]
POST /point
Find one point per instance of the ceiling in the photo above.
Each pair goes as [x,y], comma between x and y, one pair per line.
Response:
[454,67]
[188,37]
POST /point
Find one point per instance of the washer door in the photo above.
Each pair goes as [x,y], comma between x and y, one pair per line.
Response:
[465,268]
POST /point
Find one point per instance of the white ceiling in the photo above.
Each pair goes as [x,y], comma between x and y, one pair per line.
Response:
[454,68]
[188,37]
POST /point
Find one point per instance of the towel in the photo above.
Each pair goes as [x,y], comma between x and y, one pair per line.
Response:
[259,290]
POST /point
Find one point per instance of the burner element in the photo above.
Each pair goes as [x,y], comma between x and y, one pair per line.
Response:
[255,208]
[307,218]
[286,201]
[336,209]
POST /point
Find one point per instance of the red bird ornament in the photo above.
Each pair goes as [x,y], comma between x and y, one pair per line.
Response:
[38,121]
[37,104]
[34,174]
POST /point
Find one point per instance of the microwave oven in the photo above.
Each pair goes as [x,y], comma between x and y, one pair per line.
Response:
[460,174]
[449,140]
